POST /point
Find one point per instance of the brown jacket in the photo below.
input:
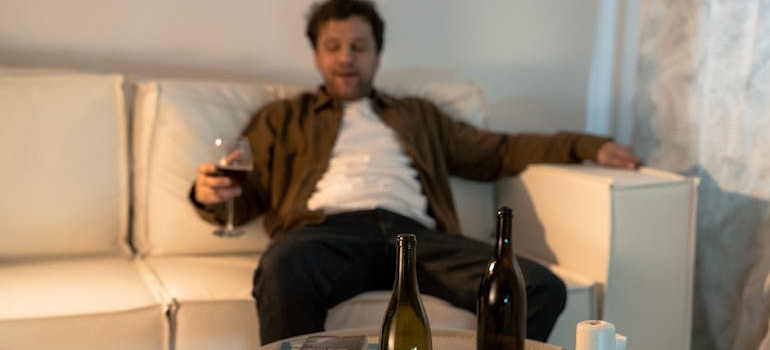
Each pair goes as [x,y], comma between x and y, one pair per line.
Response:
[292,142]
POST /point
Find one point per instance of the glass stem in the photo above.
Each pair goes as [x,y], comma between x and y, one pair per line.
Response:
[230,209]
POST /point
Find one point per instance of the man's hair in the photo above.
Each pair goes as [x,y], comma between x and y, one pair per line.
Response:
[321,13]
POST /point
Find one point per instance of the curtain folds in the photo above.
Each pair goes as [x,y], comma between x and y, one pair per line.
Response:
[702,107]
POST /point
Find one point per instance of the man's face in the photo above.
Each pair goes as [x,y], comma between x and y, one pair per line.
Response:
[346,55]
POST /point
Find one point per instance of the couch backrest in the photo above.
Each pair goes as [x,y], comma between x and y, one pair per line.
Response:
[175,120]
[174,123]
[65,165]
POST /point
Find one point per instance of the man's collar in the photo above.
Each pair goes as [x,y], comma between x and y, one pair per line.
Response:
[324,100]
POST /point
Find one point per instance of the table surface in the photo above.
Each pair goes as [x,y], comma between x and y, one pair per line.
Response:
[443,339]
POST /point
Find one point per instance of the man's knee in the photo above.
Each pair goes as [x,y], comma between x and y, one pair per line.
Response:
[283,269]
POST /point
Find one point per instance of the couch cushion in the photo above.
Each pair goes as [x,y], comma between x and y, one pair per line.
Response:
[81,303]
[174,120]
[174,123]
[214,308]
[462,100]
[65,135]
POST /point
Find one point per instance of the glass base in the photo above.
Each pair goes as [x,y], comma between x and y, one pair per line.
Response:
[229,232]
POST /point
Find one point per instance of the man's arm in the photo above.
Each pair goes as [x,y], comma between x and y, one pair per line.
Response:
[209,192]
[467,145]
[483,155]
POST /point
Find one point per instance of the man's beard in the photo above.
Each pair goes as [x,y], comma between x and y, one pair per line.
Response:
[344,91]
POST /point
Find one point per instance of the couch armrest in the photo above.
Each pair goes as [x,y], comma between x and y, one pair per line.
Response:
[633,232]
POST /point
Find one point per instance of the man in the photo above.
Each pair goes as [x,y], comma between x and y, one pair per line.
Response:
[339,172]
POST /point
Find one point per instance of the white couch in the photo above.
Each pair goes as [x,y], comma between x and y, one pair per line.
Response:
[99,247]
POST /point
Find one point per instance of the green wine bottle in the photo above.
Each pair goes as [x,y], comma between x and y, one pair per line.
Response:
[502,300]
[405,326]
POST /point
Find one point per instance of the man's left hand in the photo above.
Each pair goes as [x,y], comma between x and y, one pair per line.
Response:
[615,155]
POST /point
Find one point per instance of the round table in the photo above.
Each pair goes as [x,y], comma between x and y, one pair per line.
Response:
[443,339]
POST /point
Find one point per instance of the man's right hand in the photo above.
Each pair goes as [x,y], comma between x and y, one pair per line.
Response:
[213,189]
[616,155]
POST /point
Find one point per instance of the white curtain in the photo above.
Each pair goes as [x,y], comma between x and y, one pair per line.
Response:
[702,107]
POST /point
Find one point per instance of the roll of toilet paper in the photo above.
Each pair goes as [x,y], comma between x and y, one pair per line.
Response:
[595,335]
[620,342]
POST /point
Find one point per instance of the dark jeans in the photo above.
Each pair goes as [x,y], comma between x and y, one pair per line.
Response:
[310,269]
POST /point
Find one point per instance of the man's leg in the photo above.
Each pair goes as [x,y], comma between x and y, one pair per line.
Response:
[451,267]
[310,269]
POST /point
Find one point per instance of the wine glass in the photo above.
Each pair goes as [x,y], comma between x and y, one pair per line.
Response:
[232,158]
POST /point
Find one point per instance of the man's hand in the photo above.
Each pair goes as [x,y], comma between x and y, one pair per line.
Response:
[618,156]
[213,189]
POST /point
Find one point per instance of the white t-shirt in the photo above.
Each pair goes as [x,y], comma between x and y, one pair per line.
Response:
[369,169]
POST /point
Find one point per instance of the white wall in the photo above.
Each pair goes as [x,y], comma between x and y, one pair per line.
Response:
[531,56]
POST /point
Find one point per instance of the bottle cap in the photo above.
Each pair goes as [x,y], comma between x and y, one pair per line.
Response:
[406,239]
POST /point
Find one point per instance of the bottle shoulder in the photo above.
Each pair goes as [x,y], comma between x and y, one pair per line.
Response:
[502,276]
[500,265]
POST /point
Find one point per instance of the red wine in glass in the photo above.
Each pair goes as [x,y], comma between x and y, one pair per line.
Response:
[236,173]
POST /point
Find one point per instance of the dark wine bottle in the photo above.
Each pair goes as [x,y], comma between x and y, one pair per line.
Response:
[405,326]
[502,301]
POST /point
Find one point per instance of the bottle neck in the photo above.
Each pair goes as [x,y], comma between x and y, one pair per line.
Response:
[406,278]
[504,236]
